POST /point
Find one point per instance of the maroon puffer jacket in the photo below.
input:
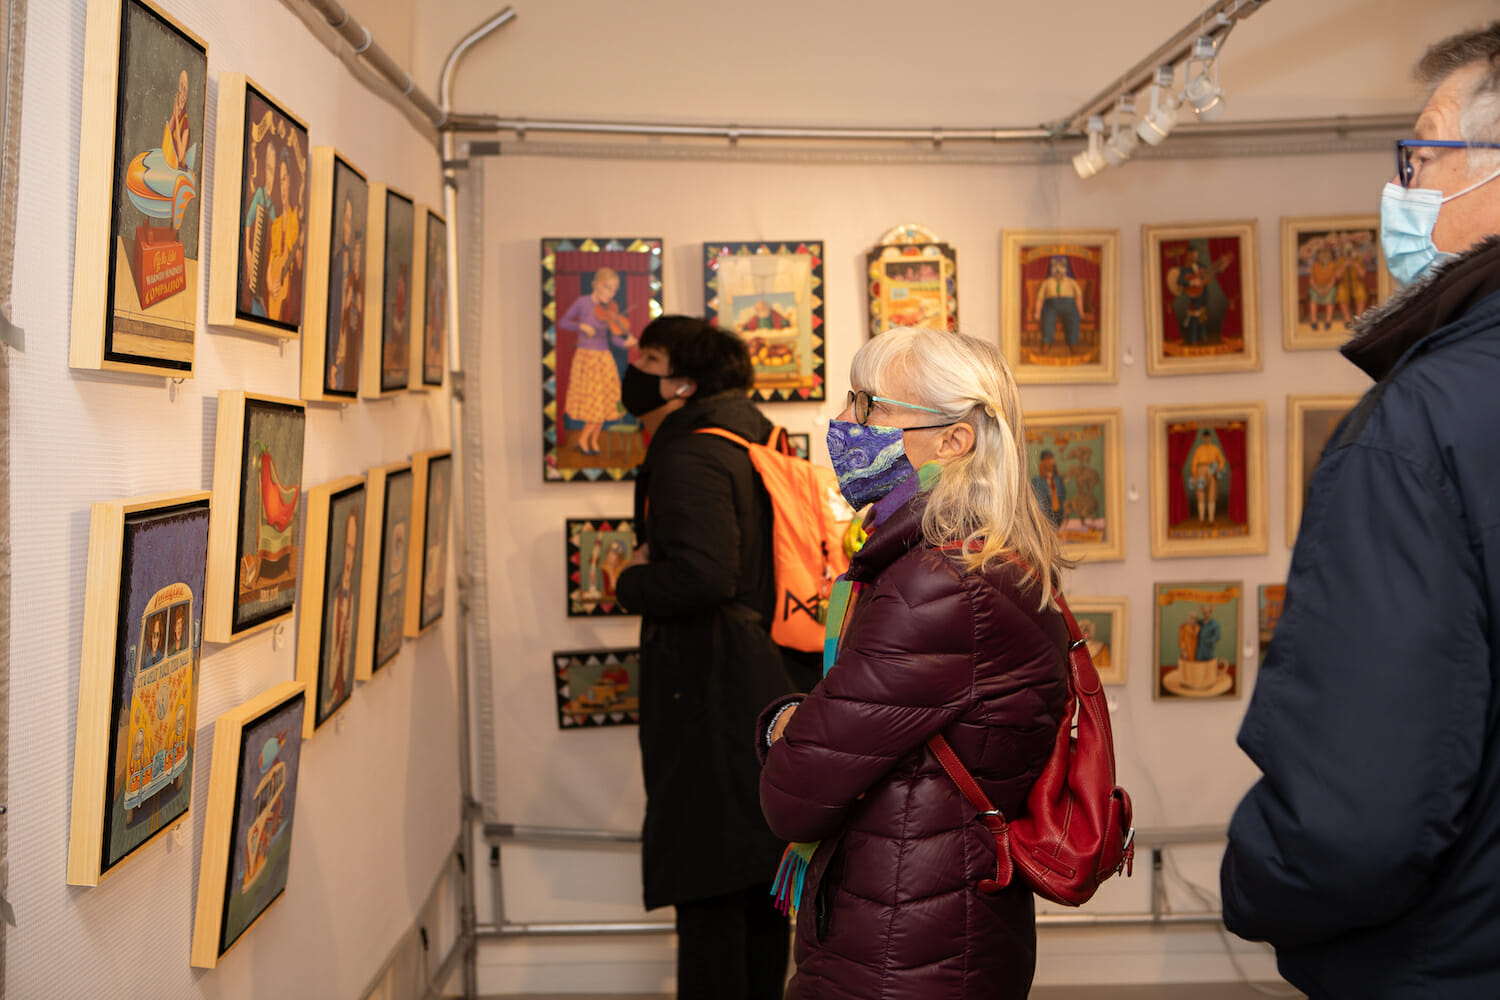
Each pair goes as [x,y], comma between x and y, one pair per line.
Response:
[890,908]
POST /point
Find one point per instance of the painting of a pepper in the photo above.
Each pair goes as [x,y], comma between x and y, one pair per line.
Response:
[270,494]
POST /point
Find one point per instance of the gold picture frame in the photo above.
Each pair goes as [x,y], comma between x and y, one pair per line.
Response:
[1310,422]
[382,596]
[1105,623]
[328,617]
[1202,297]
[1342,285]
[431,514]
[390,285]
[1071,335]
[1208,480]
[1082,487]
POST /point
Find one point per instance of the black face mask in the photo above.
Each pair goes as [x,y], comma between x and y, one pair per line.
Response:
[640,391]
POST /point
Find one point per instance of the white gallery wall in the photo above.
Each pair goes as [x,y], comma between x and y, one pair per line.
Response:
[377,810]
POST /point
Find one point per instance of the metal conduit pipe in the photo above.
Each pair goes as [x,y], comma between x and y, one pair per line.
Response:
[358,36]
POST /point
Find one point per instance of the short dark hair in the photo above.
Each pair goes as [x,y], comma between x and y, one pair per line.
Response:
[716,360]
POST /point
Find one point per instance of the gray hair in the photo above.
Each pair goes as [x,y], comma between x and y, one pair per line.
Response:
[1479,112]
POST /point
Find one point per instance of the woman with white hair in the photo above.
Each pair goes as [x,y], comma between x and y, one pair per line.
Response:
[946,623]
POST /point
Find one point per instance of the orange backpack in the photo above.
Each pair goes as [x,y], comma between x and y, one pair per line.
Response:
[807,547]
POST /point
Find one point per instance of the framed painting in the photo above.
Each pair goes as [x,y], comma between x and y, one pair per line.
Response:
[247,833]
[1105,624]
[138,684]
[801,445]
[334,329]
[1197,640]
[912,284]
[427,572]
[1060,299]
[1208,480]
[1201,298]
[140,150]
[597,297]
[598,549]
[1075,463]
[598,687]
[382,595]
[430,366]
[328,623]
[1271,599]
[254,543]
[261,190]
[1310,423]
[771,295]
[385,366]
[1332,271]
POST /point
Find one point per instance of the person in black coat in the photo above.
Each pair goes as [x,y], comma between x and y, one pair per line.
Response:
[702,581]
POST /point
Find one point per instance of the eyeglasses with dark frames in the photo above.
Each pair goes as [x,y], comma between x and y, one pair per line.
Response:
[863,402]
[1406,169]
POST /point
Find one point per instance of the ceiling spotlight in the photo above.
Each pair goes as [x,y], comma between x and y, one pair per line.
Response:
[1203,91]
[1160,118]
[1091,160]
[1122,142]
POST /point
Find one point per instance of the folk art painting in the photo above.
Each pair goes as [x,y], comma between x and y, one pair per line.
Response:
[432,501]
[1197,640]
[1208,480]
[771,295]
[597,687]
[328,631]
[1073,461]
[386,565]
[435,301]
[912,284]
[391,296]
[1332,273]
[1104,622]
[1201,298]
[598,549]
[333,340]
[1271,600]
[1061,295]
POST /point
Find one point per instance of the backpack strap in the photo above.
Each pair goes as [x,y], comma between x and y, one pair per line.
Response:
[727,435]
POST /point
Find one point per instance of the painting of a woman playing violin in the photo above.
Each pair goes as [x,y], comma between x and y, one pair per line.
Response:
[594,378]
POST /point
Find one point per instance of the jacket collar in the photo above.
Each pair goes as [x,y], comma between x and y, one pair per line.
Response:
[897,535]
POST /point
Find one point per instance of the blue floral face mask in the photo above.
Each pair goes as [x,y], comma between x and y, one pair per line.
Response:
[870,461]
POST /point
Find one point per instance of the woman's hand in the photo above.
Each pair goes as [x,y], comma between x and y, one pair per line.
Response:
[781,721]
[640,557]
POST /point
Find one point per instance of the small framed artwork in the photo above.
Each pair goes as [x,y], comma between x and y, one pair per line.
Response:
[1060,295]
[247,833]
[912,284]
[598,687]
[1105,624]
[382,595]
[1201,298]
[1197,640]
[801,445]
[1208,480]
[427,573]
[385,367]
[598,549]
[1310,423]
[261,185]
[334,330]
[771,294]
[597,297]
[138,685]
[430,366]
[1074,461]
[1271,597]
[253,542]
[1332,271]
[140,171]
[328,624]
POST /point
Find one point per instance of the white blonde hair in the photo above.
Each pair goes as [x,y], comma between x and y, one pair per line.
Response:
[984,498]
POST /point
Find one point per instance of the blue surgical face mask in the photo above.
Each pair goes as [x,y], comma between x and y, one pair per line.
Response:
[869,460]
[1407,218]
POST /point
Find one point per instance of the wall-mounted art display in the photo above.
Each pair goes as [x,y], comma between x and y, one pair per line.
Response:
[427,575]
[911,279]
[382,596]
[1271,599]
[1201,298]
[328,622]
[801,445]
[771,294]
[386,357]
[598,687]
[598,549]
[254,541]
[261,187]
[334,328]
[1197,640]
[1310,423]
[1331,273]
[1208,480]
[138,685]
[597,297]
[247,834]
[431,365]
[1075,462]
[136,241]
[1105,624]
[1060,295]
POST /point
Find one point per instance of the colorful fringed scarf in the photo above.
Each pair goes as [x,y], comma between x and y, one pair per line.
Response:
[787,888]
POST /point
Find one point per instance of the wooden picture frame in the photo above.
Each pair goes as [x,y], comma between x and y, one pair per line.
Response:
[430,365]
[1202,298]
[1105,623]
[135,745]
[912,284]
[1310,423]
[1270,600]
[1060,304]
[333,328]
[431,506]
[1332,269]
[332,580]
[254,538]
[1208,480]
[770,295]
[598,549]
[597,687]
[1083,492]
[247,833]
[387,564]
[385,362]
[586,433]
[137,239]
[1197,640]
[261,198]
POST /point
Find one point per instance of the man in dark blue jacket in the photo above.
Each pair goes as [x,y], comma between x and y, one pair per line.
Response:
[1369,853]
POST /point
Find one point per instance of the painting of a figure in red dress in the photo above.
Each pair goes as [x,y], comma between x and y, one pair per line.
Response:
[1206,479]
[1204,312]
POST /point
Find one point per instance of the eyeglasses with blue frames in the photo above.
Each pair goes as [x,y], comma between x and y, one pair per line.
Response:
[1406,169]
[863,402]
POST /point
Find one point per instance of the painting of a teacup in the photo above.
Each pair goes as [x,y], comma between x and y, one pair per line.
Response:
[1197,634]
